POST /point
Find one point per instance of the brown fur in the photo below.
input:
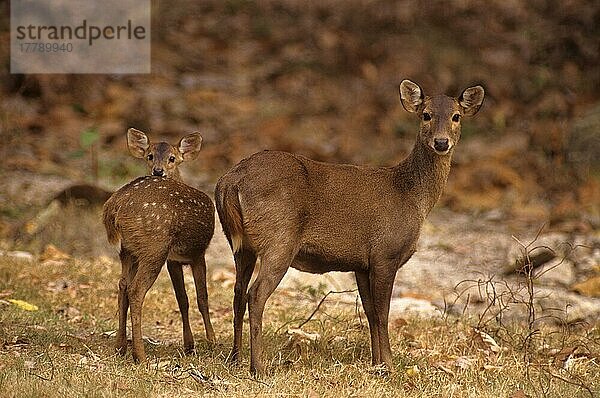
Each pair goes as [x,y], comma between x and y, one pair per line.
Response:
[292,211]
[230,213]
[160,219]
[162,158]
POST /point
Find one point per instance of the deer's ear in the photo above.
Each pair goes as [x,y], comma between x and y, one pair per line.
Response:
[471,100]
[189,146]
[137,142]
[411,95]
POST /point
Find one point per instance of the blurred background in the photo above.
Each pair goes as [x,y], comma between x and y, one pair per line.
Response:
[321,79]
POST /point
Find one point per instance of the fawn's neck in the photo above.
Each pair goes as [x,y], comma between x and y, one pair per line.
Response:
[423,174]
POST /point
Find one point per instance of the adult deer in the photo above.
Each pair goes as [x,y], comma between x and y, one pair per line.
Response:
[317,217]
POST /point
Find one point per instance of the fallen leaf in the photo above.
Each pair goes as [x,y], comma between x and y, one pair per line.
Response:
[51,252]
[399,323]
[24,305]
[29,364]
[109,333]
[151,340]
[312,394]
[486,341]
[412,371]
[59,285]
[519,394]
[300,334]
[68,312]
[444,368]
[492,367]
[464,363]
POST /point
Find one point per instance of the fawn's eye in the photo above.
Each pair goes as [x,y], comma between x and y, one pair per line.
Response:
[150,157]
[456,117]
[171,159]
[426,116]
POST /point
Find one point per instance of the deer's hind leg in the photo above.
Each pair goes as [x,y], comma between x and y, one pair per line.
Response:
[245,261]
[176,273]
[128,269]
[199,273]
[274,265]
[148,269]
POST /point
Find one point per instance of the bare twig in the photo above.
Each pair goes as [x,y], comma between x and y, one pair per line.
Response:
[321,303]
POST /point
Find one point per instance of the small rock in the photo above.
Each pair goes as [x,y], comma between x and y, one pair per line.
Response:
[589,287]
[18,255]
[401,306]
[557,273]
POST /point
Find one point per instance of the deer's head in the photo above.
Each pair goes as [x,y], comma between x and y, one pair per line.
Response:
[440,115]
[162,158]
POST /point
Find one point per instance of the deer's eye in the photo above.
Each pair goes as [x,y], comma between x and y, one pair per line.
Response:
[171,159]
[456,117]
[426,116]
[150,157]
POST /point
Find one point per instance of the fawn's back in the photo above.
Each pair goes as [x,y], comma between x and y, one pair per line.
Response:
[153,214]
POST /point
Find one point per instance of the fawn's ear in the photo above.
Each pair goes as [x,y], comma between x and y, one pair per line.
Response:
[471,100]
[137,142]
[411,95]
[189,146]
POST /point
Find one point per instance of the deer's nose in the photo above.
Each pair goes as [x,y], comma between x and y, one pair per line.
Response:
[158,172]
[440,144]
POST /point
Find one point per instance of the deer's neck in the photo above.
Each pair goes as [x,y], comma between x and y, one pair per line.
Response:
[423,174]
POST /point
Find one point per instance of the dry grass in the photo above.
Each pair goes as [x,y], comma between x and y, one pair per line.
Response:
[66,349]
[62,349]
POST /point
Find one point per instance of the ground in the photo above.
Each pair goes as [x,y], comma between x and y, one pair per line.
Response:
[447,340]
[502,296]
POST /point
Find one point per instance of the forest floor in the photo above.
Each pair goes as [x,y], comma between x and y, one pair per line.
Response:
[463,322]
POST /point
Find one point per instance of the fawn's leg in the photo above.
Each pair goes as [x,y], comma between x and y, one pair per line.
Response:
[128,269]
[199,272]
[176,273]
[144,278]
[245,260]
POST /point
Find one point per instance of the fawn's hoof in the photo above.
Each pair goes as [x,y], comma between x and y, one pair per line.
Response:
[257,370]
[121,349]
[189,349]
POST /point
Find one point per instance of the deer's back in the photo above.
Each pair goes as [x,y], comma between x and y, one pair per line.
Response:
[337,212]
[162,214]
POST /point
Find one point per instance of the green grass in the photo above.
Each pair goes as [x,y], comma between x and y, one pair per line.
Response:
[63,349]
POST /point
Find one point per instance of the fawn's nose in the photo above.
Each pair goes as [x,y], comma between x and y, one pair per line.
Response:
[158,172]
[441,144]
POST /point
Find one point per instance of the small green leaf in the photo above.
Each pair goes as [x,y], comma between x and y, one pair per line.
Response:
[88,137]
